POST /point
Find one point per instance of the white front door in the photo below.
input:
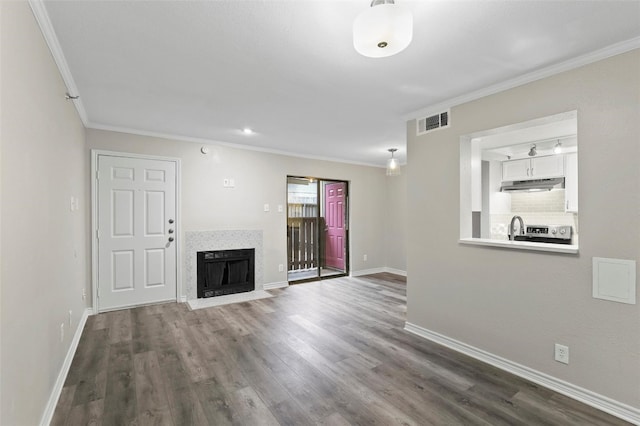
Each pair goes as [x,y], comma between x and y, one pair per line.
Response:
[136,231]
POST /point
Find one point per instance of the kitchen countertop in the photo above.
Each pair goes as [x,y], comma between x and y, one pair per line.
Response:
[521,245]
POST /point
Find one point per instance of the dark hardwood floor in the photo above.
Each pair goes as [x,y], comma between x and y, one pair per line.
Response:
[325,353]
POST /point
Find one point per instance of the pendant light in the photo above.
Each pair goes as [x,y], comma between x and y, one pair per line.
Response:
[393,167]
[558,148]
[382,30]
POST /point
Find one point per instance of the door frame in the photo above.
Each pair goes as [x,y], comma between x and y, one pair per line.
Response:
[347,263]
[95,153]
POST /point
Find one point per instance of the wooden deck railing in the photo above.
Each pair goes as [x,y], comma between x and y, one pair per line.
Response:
[302,243]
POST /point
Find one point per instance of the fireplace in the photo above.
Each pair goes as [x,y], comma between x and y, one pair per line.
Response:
[223,272]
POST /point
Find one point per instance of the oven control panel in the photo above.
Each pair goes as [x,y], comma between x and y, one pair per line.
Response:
[549,231]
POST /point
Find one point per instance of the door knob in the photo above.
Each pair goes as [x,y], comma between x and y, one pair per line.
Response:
[171,231]
[170,239]
[170,220]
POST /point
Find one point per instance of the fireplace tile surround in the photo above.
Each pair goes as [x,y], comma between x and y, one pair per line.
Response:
[196,241]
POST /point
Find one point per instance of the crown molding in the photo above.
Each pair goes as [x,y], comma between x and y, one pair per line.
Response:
[98,126]
[579,61]
[42,17]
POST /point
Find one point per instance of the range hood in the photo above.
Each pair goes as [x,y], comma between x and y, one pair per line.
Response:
[532,185]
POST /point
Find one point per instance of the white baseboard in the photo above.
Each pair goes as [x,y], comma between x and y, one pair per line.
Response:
[277,284]
[377,271]
[601,402]
[395,271]
[47,416]
[183,299]
[367,272]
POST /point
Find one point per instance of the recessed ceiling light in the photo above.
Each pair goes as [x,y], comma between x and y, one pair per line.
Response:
[247,131]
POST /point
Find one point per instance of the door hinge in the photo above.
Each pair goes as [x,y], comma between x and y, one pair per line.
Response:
[97,174]
[97,233]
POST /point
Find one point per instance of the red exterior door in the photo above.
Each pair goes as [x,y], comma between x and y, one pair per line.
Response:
[335,222]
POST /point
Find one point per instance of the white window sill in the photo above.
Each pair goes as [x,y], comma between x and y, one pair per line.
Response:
[521,245]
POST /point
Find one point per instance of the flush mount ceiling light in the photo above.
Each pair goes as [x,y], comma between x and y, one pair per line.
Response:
[558,148]
[532,151]
[247,131]
[393,167]
[382,30]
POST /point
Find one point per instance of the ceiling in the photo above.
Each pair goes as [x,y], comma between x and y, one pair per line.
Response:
[203,70]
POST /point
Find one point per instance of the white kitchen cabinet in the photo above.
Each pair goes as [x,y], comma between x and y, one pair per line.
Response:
[533,168]
[516,170]
[571,183]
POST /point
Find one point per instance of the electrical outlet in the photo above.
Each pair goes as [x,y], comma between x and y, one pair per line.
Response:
[266,207]
[70,319]
[280,208]
[364,257]
[562,354]
[281,268]
[62,332]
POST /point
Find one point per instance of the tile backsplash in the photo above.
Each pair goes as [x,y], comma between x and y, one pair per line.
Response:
[538,202]
[537,208]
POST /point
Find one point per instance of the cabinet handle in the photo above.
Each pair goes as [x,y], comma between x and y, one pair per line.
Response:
[532,171]
[527,171]
[567,205]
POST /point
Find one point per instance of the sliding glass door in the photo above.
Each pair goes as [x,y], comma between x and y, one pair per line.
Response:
[317,228]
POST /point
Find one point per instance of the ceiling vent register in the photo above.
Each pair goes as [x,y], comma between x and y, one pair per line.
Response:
[429,124]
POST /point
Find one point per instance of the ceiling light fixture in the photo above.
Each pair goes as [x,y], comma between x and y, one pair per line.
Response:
[382,30]
[558,148]
[247,131]
[532,151]
[393,167]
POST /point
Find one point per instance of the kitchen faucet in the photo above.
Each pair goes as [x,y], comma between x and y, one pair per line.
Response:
[512,231]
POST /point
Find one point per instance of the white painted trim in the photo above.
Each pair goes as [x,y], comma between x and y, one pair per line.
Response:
[521,245]
[586,59]
[274,285]
[95,153]
[601,402]
[50,408]
[395,271]
[42,17]
[378,271]
[183,138]
[367,272]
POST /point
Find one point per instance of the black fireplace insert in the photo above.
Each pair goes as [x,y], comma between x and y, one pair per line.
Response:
[223,272]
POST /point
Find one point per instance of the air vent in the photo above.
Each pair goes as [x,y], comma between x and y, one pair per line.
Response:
[434,122]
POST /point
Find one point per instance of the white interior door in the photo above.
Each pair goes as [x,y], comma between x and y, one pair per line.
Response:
[136,231]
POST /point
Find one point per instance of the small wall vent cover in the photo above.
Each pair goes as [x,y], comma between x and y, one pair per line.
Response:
[434,122]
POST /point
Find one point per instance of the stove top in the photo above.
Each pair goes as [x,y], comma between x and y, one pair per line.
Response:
[556,234]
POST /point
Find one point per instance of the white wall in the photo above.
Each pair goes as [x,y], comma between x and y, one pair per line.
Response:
[43,243]
[396,222]
[517,304]
[261,178]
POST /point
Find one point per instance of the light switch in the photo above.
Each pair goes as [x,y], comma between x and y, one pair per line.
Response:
[266,207]
[280,208]
[232,183]
[225,183]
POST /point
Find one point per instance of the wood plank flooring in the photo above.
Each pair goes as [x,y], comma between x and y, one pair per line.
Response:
[322,353]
